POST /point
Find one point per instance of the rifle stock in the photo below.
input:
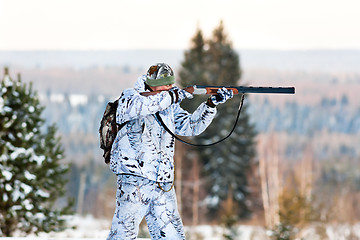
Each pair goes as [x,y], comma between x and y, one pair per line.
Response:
[212,90]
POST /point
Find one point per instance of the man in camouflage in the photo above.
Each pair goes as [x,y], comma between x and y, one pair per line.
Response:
[142,153]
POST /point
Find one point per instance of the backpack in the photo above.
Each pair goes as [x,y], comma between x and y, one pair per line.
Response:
[108,129]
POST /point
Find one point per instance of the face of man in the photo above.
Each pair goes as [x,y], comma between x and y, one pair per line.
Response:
[162,88]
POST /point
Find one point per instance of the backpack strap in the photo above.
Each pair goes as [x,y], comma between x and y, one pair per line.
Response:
[120,126]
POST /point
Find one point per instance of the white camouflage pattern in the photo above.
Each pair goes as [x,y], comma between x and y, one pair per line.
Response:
[143,147]
[159,71]
[136,198]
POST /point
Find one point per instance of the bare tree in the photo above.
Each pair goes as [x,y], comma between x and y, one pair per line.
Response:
[270,178]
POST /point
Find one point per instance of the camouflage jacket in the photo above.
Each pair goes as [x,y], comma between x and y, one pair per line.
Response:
[143,147]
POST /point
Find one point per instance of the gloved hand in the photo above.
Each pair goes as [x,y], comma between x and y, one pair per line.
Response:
[178,94]
[222,96]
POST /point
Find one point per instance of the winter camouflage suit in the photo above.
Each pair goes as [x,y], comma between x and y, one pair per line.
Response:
[142,156]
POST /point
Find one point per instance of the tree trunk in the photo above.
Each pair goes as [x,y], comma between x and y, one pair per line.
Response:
[270,183]
[196,188]
[81,193]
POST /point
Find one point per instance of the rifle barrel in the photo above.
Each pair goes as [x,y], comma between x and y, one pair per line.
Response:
[212,90]
[199,89]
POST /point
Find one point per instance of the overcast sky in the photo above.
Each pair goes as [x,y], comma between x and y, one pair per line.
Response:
[170,24]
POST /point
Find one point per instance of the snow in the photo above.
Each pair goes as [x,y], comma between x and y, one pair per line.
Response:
[87,227]
[29,136]
[58,98]
[7,109]
[3,158]
[29,176]
[39,159]
[27,189]
[5,197]
[43,194]
[11,136]
[40,216]
[31,109]
[17,152]
[16,194]
[22,151]
[6,174]
[15,190]
[78,99]
[212,201]
[1,104]
[90,228]
[9,146]
[8,187]
[16,207]
[28,205]
[45,238]
[74,99]
[7,81]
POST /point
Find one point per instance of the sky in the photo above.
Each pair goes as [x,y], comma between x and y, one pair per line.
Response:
[170,24]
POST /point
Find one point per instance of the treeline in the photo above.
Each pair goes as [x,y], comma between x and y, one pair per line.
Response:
[330,114]
[331,126]
[79,123]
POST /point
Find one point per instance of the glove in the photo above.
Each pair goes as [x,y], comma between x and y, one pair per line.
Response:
[177,94]
[222,96]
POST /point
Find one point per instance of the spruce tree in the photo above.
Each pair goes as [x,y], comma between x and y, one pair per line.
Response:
[193,69]
[31,176]
[225,165]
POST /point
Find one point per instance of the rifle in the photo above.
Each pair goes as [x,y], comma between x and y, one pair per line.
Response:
[212,90]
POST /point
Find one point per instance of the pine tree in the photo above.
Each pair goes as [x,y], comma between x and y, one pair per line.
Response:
[214,62]
[193,69]
[31,176]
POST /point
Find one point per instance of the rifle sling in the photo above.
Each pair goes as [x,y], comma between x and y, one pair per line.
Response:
[161,122]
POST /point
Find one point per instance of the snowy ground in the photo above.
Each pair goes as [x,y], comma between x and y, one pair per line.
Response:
[89,228]
[86,227]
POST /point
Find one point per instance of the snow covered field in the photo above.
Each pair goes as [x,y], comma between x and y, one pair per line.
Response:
[89,228]
[86,227]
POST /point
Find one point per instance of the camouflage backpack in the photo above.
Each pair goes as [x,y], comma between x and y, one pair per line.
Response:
[108,129]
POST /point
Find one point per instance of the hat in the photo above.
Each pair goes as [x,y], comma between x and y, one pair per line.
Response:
[160,74]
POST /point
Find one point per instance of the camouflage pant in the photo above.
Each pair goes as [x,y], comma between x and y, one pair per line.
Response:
[137,197]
